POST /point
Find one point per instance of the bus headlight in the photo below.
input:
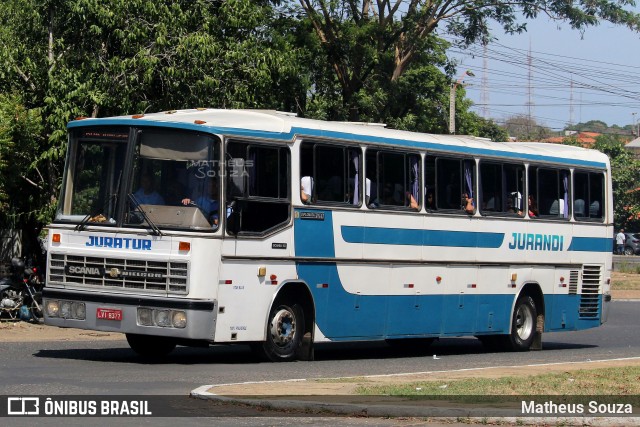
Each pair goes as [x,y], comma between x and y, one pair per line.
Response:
[78,311]
[65,309]
[163,318]
[145,316]
[179,319]
[53,308]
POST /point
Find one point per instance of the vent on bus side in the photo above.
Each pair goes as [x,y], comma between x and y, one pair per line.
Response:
[574,276]
[590,291]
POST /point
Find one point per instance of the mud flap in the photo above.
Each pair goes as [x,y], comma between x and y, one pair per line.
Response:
[305,350]
[537,338]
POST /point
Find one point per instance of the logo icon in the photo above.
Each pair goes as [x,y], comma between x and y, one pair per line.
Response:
[23,406]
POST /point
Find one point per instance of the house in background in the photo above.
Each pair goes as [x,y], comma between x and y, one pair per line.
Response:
[634,147]
[585,139]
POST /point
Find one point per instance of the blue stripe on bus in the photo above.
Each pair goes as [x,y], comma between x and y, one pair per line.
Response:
[342,315]
[591,244]
[419,237]
[289,136]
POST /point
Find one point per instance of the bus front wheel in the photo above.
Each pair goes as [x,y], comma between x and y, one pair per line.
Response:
[284,332]
[150,346]
[523,325]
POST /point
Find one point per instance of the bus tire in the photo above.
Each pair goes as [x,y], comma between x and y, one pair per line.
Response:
[523,325]
[149,346]
[284,332]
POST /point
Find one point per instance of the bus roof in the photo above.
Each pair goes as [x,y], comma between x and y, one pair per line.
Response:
[287,126]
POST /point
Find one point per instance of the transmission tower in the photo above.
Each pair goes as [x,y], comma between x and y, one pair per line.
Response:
[484,95]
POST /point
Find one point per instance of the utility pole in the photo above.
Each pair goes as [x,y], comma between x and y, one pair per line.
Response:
[452,100]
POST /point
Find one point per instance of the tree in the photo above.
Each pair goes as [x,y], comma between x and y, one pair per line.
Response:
[524,128]
[625,174]
[70,58]
[363,40]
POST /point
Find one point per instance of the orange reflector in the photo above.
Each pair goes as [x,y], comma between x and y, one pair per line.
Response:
[409,285]
[184,246]
[473,285]
[137,116]
[274,282]
[81,117]
[55,238]
[199,122]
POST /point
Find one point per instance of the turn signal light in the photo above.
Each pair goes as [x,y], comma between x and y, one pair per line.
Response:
[55,238]
[184,246]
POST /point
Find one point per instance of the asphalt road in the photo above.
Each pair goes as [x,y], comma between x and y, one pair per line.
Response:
[110,367]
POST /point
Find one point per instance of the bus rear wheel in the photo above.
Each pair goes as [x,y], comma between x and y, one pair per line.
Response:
[149,346]
[284,332]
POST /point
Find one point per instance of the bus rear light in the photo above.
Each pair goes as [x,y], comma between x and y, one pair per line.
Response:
[55,238]
[184,246]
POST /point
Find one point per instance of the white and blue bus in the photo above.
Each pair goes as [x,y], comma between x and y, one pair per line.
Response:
[208,226]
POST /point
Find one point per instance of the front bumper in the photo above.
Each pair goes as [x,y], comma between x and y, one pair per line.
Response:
[201,314]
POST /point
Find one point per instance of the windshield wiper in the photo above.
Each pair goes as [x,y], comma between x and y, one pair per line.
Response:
[82,224]
[152,225]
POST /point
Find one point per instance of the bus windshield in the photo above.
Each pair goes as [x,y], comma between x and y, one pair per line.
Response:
[172,181]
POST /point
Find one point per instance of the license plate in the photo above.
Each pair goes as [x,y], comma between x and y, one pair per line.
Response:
[109,314]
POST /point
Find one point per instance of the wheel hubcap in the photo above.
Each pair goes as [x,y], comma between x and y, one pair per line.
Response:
[283,327]
[524,322]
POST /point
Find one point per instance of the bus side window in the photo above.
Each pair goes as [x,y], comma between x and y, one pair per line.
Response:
[393,179]
[588,195]
[331,173]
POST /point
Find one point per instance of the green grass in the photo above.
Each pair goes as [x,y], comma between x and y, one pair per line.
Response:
[606,381]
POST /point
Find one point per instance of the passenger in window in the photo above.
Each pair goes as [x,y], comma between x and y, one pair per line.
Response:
[430,201]
[413,204]
[146,195]
[209,203]
[533,207]
[306,189]
[467,203]
[594,209]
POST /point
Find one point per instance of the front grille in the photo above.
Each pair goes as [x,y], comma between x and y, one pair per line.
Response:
[134,274]
[590,291]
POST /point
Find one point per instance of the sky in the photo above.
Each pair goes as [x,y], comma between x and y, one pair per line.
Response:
[573,77]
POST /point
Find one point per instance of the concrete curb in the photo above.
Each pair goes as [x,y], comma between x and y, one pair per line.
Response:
[435,414]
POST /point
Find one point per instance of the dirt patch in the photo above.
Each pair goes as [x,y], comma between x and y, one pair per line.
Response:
[625,281]
[17,331]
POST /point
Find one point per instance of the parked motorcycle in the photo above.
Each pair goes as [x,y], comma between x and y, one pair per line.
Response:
[21,292]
